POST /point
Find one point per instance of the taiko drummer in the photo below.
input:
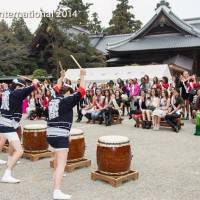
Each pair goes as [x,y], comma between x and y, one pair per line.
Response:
[11,113]
[58,127]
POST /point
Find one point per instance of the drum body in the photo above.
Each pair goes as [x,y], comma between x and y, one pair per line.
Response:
[34,139]
[113,155]
[77,145]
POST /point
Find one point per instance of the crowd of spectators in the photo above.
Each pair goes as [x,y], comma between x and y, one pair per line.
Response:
[146,101]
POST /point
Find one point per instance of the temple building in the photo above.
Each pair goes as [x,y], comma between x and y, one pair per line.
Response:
[165,39]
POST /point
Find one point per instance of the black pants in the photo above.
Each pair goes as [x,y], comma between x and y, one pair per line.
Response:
[127,105]
[80,115]
[39,111]
[107,115]
[171,119]
[79,106]
[88,116]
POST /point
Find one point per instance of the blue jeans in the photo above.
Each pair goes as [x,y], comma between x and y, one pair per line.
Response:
[95,115]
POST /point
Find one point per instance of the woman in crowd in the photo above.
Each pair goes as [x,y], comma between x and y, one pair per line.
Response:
[126,98]
[156,84]
[134,93]
[31,106]
[38,103]
[45,104]
[147,82]
[143,85]
[161,112]
[176,109]
[114,108]
[152,103]
[165,83]
[86,107]
[185,87]
[98,105]
[140,105]
[196,104]
[105,112]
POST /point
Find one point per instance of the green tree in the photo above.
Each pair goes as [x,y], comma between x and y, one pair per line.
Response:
[123,20]
[95,24]
[13,54]
[21,31]
[77,13]
[57,45]
[40,74]
[77,45]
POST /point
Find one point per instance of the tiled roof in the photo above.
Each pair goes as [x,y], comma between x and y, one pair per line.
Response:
[138,41]
[101,42]
[160,42]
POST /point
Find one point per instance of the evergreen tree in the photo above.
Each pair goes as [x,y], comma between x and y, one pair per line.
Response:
[95,24]
[14,54]
[123,21]
[21,31]
[74,12]
[57,45]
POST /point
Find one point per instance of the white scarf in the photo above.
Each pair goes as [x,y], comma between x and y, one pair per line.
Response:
[116,106]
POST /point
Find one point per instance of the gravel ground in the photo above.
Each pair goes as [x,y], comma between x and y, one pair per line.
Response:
[168,163]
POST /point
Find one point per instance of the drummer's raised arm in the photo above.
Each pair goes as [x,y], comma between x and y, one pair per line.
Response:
[82,77]
[61,79]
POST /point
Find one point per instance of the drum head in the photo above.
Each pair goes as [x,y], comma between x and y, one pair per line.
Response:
[113,139]
[76,131]
[35,126]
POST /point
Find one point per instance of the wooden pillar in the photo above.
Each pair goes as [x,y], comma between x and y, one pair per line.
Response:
[196,63]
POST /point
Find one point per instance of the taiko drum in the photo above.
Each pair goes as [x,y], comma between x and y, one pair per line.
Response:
[34,138]
[114,155]
[77,145]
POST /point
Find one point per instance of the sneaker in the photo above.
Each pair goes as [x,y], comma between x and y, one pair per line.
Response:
[9,179]
[158,128]
[58,195]
[187,117]
[144,124]
[78,120]
[154,128]
[176,129]
[2,162]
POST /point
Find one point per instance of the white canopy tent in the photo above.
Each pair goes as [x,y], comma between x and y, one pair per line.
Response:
[113,73]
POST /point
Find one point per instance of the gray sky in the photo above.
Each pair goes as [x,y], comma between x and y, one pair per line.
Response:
[143,9]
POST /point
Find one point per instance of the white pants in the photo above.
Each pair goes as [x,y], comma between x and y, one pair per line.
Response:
[13,136]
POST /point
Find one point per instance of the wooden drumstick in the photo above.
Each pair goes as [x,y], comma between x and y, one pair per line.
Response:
[60,64]
[74,59]
[25,77]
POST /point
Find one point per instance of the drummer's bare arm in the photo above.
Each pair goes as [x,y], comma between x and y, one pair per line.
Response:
[76,97]
[82,77]
[61,79]
[59,84]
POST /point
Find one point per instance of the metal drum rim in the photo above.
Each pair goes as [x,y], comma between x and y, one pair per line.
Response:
[109,143]
[34,130]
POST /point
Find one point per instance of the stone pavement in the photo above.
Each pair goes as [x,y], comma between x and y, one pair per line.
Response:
[168,163]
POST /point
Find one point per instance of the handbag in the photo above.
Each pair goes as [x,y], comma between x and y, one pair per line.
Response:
[152,108]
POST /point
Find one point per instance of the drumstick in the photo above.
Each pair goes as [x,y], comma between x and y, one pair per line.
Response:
[25,77]
[76,61]
[60,64]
